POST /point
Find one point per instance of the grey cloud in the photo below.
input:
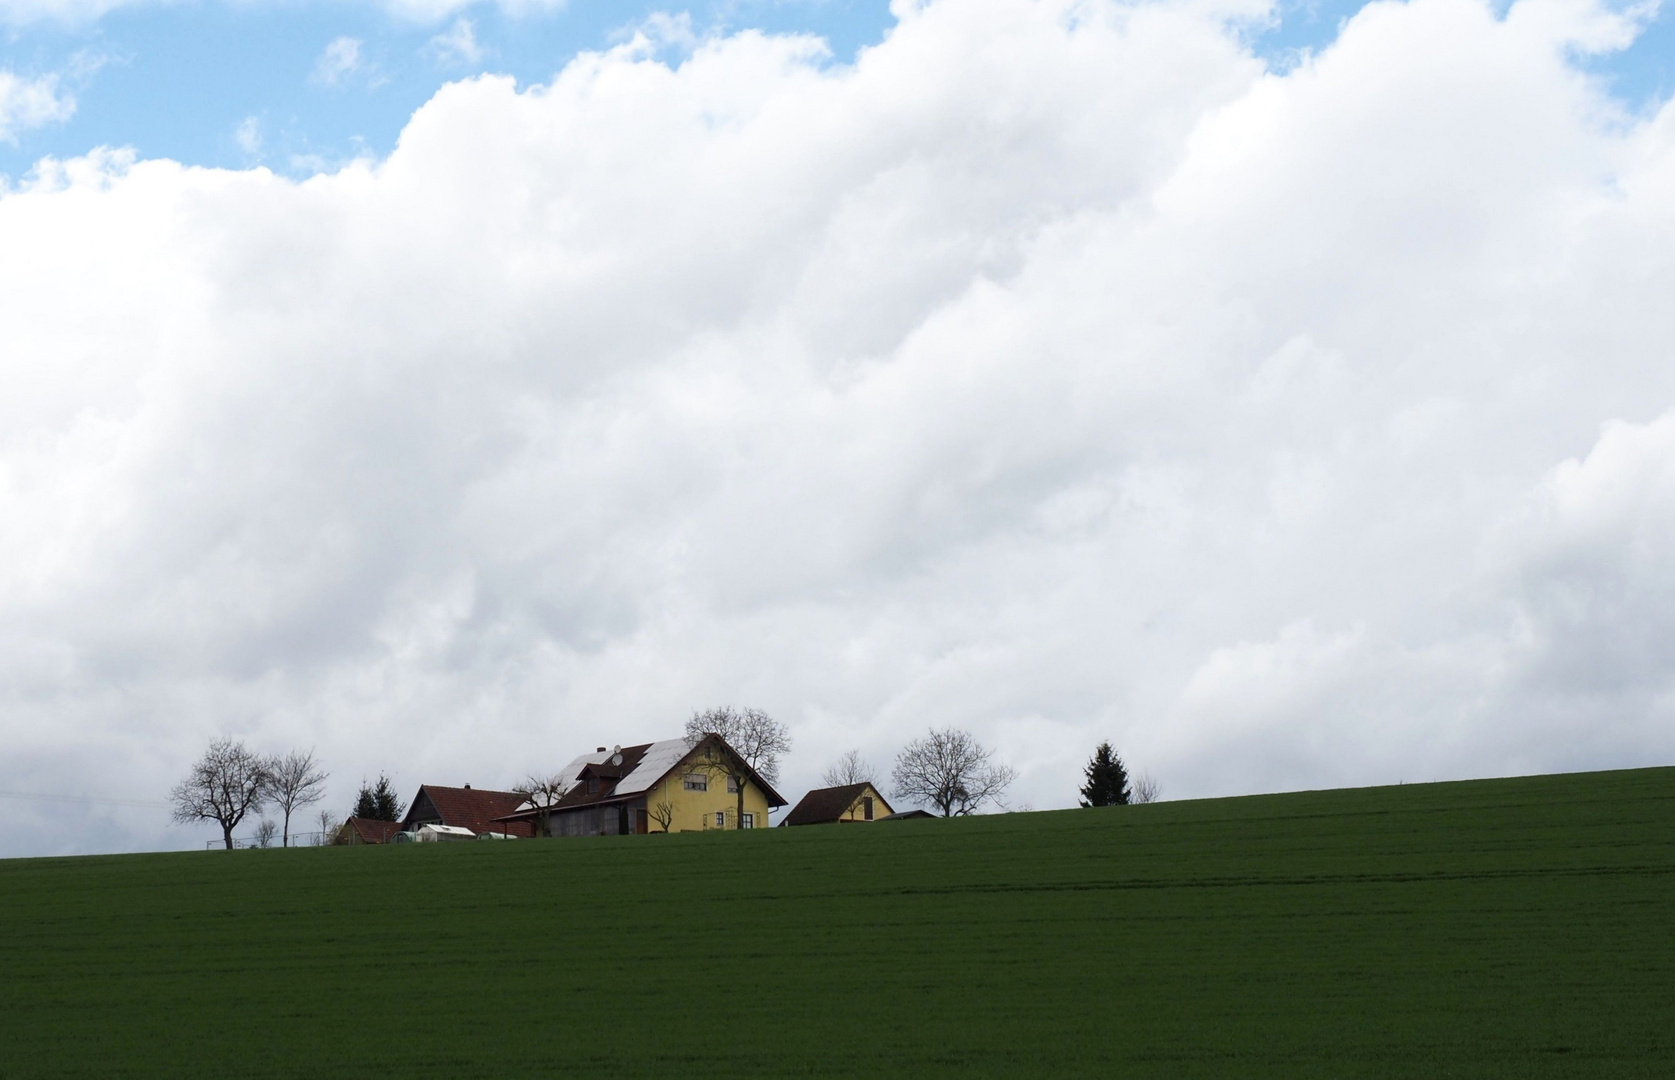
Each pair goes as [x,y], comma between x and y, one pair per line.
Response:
[1098,385]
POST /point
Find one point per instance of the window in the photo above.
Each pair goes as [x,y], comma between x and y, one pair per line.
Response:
[592,785]
[732,785]
[866,807]
[696,782]
[721,819]
[748,821]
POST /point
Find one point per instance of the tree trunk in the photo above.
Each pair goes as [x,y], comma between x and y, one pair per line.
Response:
[739,822]
[287,840]
[227,835]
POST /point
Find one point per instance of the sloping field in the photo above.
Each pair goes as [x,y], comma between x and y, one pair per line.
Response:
[1508,928]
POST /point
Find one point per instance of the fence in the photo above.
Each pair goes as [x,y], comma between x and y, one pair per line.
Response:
[298,839]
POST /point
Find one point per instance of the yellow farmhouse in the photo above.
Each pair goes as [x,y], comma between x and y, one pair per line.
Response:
[672,786]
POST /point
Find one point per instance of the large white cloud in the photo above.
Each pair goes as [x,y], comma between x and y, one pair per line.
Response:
[1056,370]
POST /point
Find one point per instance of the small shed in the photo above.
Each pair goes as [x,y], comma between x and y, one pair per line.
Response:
[840,805]
[360,830]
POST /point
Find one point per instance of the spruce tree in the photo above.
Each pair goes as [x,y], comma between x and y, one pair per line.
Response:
[366,804]
[388,806]
[1107,779]
[378,802]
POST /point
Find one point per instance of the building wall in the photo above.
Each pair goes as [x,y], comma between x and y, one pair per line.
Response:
[606,820]
[857,809]
[694,811]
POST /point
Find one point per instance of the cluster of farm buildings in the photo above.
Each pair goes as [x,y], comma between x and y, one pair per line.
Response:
[678,785]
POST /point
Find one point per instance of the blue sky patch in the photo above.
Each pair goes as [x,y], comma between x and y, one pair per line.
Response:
[302,86]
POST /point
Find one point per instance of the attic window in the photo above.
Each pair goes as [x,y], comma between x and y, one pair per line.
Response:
[695,782]
[593,785]
[732,785]
[866,807]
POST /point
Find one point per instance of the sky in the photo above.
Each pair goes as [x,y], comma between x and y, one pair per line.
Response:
[1282,393]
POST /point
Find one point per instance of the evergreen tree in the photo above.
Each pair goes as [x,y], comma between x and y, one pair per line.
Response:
[389,807]
[1107,779]
[366,804]
[378,802]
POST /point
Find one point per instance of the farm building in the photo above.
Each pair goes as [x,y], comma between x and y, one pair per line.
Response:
[477,809]
[833,805]
[361,830]
[670,786]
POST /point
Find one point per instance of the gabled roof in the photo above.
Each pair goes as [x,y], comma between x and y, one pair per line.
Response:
[824,805]
[640,769]
[372,830]
[477,809]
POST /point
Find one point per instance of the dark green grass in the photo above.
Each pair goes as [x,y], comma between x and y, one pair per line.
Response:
[1508,928]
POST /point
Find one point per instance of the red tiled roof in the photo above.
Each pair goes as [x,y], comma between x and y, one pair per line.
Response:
[373,831]
[473,808]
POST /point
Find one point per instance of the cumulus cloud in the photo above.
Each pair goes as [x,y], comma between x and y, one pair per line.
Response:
[27,103]
[457,46]
[1056,370]
[340,59]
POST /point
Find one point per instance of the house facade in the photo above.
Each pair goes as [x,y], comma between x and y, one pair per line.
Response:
[672,786]
[835,805]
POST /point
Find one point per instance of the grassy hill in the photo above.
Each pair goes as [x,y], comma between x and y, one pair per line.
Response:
[1505,928]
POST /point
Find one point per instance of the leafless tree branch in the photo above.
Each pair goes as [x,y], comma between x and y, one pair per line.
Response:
[1143,789]
[224,785]
[851,768]
[542,793]
[296,781]
[949,769]
[757,739]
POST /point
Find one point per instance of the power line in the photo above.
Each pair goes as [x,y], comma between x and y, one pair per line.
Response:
[81,799]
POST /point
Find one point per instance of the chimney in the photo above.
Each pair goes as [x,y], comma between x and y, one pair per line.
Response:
[601,750]
[468,787]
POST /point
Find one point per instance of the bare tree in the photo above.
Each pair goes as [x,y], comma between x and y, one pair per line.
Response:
[226,784]
[756,739]
[1143,789]
[298,781]
[329,824]
[851,768]
[264,833]
[950,770]
[663,812]
[543,794]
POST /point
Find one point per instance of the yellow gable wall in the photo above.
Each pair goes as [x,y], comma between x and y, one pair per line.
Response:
[695,811]
[857,809]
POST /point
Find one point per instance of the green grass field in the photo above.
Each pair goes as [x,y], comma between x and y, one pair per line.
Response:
[1507,928]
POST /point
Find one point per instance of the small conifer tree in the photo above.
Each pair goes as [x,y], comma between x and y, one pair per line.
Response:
[1107,779]
[378,802]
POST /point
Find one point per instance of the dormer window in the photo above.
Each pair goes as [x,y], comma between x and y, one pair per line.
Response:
[593,785]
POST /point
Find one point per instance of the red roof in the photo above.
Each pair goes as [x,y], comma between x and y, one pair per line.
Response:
[469,808]
[373,831]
